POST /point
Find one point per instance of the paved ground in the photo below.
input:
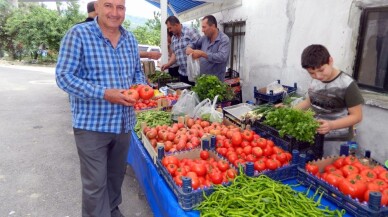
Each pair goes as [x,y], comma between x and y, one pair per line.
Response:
[39,166]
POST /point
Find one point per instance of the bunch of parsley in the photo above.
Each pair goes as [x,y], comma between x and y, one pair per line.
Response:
[296,123]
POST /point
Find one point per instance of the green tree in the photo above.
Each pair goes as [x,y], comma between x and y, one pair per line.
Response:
[6,10]
[150,32]
[32,25]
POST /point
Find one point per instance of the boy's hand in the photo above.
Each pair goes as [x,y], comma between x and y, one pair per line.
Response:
[324,127]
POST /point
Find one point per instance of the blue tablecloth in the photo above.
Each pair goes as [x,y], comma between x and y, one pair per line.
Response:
[160,198]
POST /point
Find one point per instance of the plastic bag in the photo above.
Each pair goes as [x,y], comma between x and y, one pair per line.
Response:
[206,110]
[193,68]
[275,87]
[185,104]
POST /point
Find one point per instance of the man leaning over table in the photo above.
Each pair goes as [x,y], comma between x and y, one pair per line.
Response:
[97,62]
[212,49]
[182,37]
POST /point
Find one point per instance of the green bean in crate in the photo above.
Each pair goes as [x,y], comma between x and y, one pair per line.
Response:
[261,196]
[153,119]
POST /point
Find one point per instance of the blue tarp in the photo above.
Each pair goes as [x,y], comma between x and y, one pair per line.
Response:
[179,6]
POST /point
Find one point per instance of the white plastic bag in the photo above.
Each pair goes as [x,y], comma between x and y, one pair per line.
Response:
[193,68]
[185,104]
[206,110]
[275,87]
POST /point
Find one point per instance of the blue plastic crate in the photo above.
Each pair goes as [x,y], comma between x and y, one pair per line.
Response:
[312,150]
[282,143]
[260,94]
[187,201]
[336,196]
[283,173]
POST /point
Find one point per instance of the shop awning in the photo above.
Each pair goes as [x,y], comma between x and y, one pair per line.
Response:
[187,10]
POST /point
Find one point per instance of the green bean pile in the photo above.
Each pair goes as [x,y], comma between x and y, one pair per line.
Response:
[261,196]
[153,119]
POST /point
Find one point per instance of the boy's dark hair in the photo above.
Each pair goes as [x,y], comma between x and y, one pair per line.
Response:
[315,56]
[172,20]
[211,20]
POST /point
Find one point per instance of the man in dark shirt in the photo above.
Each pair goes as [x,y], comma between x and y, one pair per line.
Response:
[91,12]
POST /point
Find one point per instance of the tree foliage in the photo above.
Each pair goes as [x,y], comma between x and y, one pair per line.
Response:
[150,33]
[23,30]
[31,25]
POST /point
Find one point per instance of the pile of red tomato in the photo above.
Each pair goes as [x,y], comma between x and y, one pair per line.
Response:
[354,178]
[175,138]
[247,146]
[235,145]
[203,171]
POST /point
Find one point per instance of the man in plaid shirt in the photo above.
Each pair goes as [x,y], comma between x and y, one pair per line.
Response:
[182,37]
[97,62]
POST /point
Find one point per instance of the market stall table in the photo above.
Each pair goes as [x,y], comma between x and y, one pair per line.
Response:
[159,196]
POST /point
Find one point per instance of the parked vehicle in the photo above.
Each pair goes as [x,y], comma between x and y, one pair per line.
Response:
[148,48]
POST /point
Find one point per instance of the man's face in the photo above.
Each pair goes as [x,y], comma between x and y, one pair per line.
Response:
[323,73]
[174,28]
[111,13]
[206,29]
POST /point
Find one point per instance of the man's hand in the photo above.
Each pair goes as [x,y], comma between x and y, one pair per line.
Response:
[165,66]
[189,50]
[199,53]
[117,96]
[324,127]
[154,55]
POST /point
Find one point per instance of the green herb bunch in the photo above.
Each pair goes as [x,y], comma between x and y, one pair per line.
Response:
[296,123]
[158,75]
[208,86]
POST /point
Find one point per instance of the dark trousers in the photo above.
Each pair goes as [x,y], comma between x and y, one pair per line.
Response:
[103,164]
[174,72]
[185,79]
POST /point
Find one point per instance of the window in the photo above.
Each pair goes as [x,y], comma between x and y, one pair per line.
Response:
[372,51]
[236,33]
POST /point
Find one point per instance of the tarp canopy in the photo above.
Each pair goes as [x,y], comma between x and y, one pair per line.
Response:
[176,7]
[187,10]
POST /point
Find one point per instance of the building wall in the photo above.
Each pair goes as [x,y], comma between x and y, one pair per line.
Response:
[278,31]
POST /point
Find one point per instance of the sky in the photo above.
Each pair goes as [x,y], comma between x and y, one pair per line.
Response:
[137,8]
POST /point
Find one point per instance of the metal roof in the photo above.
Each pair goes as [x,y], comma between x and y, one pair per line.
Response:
[176,7]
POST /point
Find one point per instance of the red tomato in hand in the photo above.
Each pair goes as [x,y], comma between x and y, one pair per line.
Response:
[146,92]
[133,94]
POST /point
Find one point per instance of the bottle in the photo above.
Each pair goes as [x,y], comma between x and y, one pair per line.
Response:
[352,148]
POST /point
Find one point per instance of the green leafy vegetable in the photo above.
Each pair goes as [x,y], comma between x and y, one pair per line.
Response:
[208,86]
[297,123]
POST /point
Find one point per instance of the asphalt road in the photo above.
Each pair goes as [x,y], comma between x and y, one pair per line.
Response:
[39,165]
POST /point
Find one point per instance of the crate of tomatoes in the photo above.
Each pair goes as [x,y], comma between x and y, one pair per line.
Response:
[192,174]
[359,185]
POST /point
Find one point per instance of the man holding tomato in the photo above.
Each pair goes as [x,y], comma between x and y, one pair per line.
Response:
[97,62]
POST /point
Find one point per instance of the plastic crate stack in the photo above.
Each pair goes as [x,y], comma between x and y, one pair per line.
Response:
[261,95]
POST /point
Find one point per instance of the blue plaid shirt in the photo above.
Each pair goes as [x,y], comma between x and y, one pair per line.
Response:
[87,65]
[179,45]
